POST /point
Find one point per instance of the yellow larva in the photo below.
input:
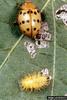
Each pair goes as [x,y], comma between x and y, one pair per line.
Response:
[35,81]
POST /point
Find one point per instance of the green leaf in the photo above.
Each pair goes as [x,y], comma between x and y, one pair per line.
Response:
[15,60]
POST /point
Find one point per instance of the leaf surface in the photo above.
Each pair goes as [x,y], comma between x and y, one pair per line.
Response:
[19,62]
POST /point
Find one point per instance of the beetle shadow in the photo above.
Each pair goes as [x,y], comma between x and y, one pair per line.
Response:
[12,22]
[43,16]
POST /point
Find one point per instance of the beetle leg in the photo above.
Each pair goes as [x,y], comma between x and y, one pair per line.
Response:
[15,23]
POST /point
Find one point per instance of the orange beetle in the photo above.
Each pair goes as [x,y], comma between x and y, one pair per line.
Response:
[29,19]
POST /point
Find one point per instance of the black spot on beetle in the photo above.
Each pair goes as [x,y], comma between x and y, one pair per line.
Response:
[38,11]
[38,20]
[34,20]
[20,23]
[27,29]
[23,31]
[27,21]
[24,13]
[28,11]
[34,29]
[20,12]
[31,11]
[23,22]
[35,12]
